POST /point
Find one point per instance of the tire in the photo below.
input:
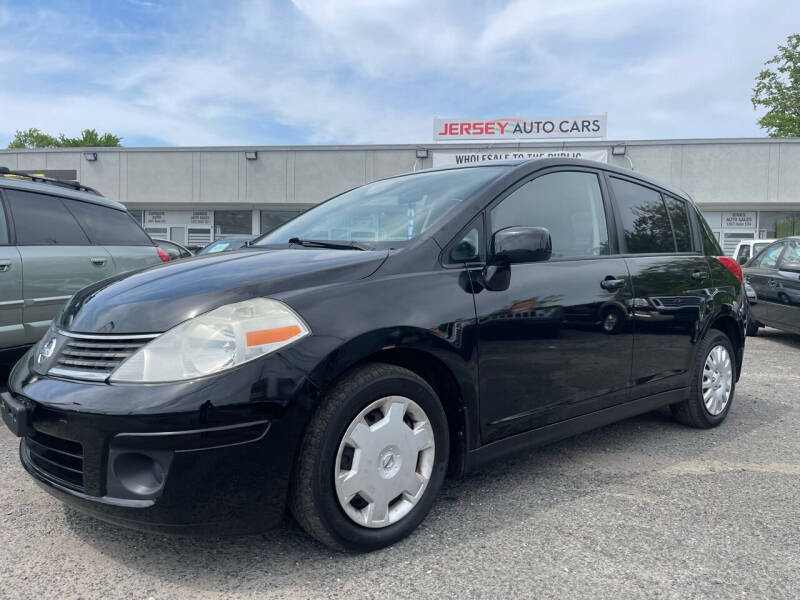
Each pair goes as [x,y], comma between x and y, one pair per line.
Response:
[752,328]
[694,411]
[387,459]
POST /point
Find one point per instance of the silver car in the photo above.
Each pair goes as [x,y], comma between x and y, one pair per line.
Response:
[57,237]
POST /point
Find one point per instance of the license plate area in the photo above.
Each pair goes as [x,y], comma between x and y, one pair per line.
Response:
[17,415]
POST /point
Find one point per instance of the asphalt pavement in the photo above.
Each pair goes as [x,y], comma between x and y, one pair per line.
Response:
[641,508]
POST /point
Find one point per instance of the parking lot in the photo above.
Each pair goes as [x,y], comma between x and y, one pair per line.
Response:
[645,507]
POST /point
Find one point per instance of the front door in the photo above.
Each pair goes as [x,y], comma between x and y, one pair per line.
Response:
[554,342]
[762,276]
[11,330]
[57,257]
[670,277]
[787,288]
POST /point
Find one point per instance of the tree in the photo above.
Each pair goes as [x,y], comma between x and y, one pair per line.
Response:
[33,138]
[778,89]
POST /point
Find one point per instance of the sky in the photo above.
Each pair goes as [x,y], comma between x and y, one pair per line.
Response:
[197,73]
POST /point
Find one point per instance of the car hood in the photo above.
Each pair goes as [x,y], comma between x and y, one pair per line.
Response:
[158,298]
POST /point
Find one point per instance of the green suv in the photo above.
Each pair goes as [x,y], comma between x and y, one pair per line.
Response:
[57,237]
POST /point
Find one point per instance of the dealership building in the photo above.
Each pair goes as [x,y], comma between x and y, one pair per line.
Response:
[746,188]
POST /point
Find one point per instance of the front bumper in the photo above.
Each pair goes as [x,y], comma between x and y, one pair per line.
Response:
[209,456]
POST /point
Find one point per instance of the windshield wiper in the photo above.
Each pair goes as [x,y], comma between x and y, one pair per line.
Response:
[327,244]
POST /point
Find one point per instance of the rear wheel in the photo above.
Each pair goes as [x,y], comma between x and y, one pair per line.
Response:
[373,459]
[713,383]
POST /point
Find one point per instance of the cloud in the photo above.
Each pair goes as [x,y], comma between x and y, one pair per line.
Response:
[324,71]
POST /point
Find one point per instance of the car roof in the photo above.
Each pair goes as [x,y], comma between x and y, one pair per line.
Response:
[26,185]
[529,165]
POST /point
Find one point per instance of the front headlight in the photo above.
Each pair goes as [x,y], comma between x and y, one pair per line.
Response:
[216,341]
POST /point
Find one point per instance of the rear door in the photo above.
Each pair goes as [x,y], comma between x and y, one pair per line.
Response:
[12,333]
[57,257]
[669,275]
[118,232]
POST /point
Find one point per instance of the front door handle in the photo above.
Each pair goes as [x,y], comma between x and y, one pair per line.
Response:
[5,265]
[611,284]
[98,261]
[699,275]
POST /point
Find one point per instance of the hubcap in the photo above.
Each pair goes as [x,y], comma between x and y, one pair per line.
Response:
[384,462]
[717,380]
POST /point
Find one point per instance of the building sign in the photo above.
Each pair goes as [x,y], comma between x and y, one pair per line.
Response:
[155,217]
[451,158]
[515,128]
[739,220]
[200,217]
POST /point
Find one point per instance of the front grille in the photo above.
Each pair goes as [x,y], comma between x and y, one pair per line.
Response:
[58,459]
[95,357]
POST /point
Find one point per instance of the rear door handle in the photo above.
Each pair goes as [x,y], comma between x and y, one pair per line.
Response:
[98,261]
[699,275]
[5,265]
[611,284]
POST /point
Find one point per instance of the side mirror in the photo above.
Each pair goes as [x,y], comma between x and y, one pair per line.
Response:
[521,245]
[792,267]
[742,260]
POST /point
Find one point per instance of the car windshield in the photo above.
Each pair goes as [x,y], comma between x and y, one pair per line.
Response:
[392,210]
[759,247]
[221,246]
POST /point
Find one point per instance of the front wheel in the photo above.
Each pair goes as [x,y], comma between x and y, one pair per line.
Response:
[373,459]
[713,383]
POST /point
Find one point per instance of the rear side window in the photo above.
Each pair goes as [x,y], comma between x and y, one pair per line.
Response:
[108,226]
[680,223]
[3,225]
[41,220]
[645,221]
[711,245]
[569,204]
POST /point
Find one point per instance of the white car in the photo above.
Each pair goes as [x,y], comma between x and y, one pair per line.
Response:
[747,249]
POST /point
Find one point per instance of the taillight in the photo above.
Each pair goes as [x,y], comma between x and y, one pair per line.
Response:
[162,255]
[732,266]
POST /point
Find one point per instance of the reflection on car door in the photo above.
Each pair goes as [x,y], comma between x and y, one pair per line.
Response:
[555,343]
[761,274]
[670,280]
[12,332]
[57,257]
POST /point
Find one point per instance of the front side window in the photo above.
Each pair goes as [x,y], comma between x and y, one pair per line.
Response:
[791,256]
[3,225]
[569,204]
[42,220]
[107,226]
[645,220]
[769,258]
[390,211]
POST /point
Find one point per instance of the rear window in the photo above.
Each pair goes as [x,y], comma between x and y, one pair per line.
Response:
[680,223]
[41,220]
[644,216]
[108,226]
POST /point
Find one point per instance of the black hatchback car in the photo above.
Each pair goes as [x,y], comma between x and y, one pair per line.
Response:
[772,281]
[349,360]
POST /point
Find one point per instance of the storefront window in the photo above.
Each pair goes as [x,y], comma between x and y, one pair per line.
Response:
[232,222]
[779,224]
[270,219]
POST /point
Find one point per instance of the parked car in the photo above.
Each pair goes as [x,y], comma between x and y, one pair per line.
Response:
[773,286]
[57,237]
[747,249]
[348,360]
[175,250]
[226,245]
